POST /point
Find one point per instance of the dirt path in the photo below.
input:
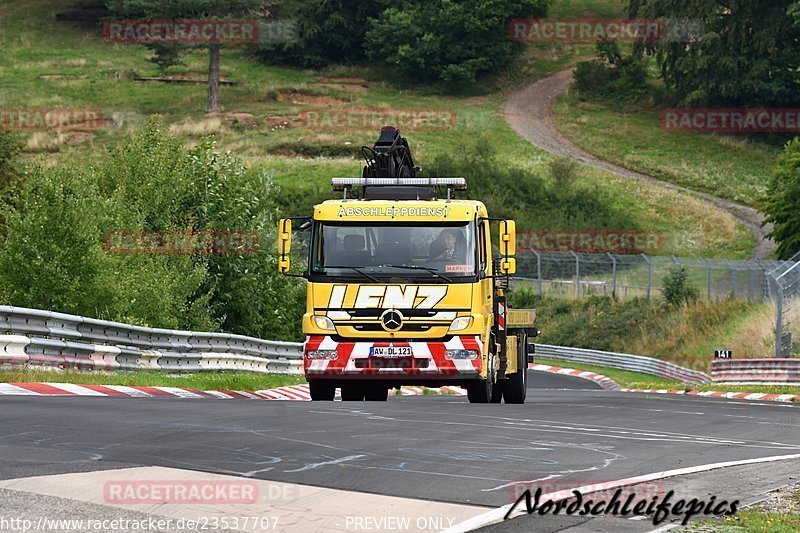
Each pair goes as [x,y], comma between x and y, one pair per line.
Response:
[527,111]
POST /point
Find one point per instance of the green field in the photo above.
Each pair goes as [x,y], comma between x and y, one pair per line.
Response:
[266,117]
[735,168]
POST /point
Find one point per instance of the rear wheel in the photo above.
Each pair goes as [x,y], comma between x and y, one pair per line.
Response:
[321,391]
[353,392]
[376,393]
[515,388]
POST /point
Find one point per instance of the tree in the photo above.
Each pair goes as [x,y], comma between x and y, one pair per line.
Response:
[782,204]
[189,9]
[328,32]
[451,41]
[747,52]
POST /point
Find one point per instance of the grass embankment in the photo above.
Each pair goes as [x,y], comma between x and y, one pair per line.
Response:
[49,63]
[732,167]
[686,335]
[199,381]
[780,514]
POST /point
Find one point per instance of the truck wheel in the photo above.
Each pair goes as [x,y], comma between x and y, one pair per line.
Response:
[480,391]
[497,392]
[515,388]
[376,393]
[353,393]
[321,391]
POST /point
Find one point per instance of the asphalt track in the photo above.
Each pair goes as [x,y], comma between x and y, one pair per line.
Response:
[438,449]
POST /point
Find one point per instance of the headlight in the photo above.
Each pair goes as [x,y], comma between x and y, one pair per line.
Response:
[461,354]
[322,354]
[323,322]
[460,323]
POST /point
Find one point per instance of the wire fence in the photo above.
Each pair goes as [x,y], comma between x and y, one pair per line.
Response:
[577,275]
[784,281]
[625,276]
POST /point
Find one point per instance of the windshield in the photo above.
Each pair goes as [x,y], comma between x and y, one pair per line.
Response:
[411,251]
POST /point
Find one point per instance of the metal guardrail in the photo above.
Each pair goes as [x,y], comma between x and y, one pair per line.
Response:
[45,338]
[762,370]
[621,361]
[32,336]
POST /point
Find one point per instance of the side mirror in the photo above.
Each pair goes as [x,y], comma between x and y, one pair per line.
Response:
[508,238]
[508,265]
[284,244]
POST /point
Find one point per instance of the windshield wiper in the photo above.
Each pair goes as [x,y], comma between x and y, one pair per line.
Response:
[427,269]
[363,274]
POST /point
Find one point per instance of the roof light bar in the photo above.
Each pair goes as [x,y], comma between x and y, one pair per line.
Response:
[343,183]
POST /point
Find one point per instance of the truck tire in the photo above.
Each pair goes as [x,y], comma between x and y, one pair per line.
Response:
[376,393]
[321,391]
[480,391]
[515,388]
[353,392]
[497,392]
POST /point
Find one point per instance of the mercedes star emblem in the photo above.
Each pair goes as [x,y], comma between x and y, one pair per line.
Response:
[392,320]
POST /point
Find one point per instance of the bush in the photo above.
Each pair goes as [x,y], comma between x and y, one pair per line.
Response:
[522,194]
[676,288]
[564,171]
[612,75]
[53,255]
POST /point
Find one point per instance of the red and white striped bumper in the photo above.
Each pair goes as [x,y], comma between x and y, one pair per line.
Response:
[428,361]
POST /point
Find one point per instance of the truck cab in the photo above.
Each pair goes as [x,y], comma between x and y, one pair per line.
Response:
[403,289]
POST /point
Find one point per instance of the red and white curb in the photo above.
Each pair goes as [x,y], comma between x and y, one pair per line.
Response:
[288,392]
[716,394]
[605,382]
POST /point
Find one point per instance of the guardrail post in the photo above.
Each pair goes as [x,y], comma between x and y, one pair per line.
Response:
[577,274]
[614,274]
[649,275]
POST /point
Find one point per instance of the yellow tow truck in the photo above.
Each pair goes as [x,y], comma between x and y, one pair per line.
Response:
[403,288]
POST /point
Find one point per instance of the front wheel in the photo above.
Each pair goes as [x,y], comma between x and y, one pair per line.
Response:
[321,391]
[515,388]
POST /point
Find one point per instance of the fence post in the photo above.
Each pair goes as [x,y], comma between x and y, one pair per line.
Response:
[708,278]
[614,271]
[649,275]
[538,273]
[577,274]
[778,322]
[733,279]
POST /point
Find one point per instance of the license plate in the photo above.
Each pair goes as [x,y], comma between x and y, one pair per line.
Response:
[391,351]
